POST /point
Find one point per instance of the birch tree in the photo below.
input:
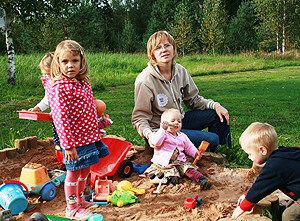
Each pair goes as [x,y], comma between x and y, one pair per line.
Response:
[273,22]
[28,10]
[6,27]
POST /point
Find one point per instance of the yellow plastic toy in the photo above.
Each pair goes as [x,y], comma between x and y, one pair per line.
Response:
[127,186]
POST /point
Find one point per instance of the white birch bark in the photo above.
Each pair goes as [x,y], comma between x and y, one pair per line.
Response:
[283,29]
[277,41]
[10,52]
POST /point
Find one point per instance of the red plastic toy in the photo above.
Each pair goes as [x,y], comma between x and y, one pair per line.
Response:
[114,162]
[35,116]
[103,188]
[191,202]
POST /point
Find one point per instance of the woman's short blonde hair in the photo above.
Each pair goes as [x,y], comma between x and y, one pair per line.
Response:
[75,48]
[154,40]
[260,134]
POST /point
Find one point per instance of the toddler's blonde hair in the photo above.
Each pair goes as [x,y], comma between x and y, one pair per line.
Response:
[45,63]
[75,48]
[154,40]
[260,134]
[166,112]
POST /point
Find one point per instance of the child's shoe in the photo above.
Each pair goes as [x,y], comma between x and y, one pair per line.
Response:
[156,179]
[205,184]
[174,180]
[151,176]
[87,205]
[78,214]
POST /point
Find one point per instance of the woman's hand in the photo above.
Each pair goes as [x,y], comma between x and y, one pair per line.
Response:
[221,111]
[71,154]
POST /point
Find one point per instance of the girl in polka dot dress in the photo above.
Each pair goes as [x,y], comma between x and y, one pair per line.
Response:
[75,117]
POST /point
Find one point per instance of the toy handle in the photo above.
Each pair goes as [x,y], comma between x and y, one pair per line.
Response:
[18,182]
[138,191]
[202,148]
[195,161]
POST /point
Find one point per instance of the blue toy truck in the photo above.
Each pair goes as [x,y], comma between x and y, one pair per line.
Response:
[42,181]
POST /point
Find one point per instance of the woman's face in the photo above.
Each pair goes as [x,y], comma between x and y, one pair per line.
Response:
[164,53]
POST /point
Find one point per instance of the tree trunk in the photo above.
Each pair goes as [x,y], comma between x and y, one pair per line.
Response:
[277,41]
[10,52]
[283,29]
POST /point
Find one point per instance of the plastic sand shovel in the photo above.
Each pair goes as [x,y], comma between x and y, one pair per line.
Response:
[127,186]
[202,148]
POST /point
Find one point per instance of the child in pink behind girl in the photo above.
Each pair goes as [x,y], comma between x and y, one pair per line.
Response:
[171,146]
[75,118]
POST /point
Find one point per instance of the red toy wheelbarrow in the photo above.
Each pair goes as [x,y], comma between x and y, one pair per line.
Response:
[109,165]
[115,162]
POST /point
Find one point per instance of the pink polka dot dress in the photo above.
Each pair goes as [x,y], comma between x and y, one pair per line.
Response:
[73,111]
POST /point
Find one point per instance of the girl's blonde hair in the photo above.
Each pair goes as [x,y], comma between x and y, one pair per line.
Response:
[75,48]
[154,40]
[260,134]
[45,63]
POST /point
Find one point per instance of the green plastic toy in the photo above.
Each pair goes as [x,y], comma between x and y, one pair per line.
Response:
[56,218]
[37,216]
[121,198]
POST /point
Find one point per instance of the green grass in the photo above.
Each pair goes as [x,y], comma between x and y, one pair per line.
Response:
[270,94]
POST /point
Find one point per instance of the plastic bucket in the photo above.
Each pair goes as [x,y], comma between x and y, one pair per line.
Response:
[12,196]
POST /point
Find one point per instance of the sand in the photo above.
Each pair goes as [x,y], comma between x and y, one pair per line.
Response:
[218,202]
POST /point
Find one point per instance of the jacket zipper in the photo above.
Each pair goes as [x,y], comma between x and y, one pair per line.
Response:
[173,95]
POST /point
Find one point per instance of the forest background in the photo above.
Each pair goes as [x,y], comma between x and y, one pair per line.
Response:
[114,33]
[211,26]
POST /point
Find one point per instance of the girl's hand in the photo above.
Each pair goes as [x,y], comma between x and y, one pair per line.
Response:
[221,111]
[164,125]
[71,154]
[35,109]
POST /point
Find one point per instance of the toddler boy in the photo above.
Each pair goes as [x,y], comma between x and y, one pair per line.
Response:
[281,170]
